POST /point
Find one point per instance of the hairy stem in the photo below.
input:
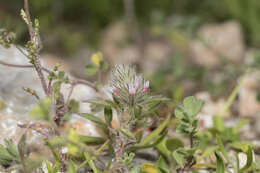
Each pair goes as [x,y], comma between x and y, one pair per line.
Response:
[22,66]
[37,63]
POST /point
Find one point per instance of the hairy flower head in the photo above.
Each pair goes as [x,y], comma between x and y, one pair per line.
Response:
[127,86]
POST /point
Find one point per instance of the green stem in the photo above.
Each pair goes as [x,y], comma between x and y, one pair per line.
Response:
[233,95]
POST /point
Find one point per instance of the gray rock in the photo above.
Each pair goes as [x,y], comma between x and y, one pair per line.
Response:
[218,43]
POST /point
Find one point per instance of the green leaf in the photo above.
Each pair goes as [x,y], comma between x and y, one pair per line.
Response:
[220,164]
[104,65]
[127,133]
[94,119]
[208,152]
[155,142]
[156,132]
[158,98]
[163,149]
[108,115]
[162,166]
[103,103]
[243,146]
[73,106]
[249,160]
[71,168]
[92,139]
[179,156]
[91,163]
[173,144]
[139,136]
[5,157]
[149,168]
[91,69]
[192,105]
[179,112]
[224,151]
[241,123]
[61,74]
[218,123]
[42,110]
[11,148]
[100,123]
[22,146]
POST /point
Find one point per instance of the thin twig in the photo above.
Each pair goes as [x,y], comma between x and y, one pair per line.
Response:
[22,66]
[17,47]
[75,82]
[87,83]
[35,128]
[70,93]
[49,85]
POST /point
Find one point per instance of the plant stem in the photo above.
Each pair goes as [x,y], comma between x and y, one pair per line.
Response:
[191,140]
[233,95]
[37,63]
[22,66]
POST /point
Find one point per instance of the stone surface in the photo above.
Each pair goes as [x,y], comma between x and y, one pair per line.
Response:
[248,104]
[218,43]
[13,79]
[209,109]
[18,102]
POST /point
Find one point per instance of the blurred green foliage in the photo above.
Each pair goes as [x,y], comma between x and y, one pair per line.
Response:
[86,18]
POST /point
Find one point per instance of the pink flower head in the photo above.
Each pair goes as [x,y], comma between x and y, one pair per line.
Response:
[146,86]
[128,86]
[137,82]
[115,92]
[131,88]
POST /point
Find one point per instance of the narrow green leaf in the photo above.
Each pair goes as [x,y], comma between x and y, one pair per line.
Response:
[162,166]
[249,160]
[71,168]
[224,151]
[92,139]
[91,163]
[218,123]
[154,143]
[11,148]
[220,164]
[156,132]
[22,146]
[233,95]
[208,152]
[179,156]
[139,136]
[96,120]
[108,115]
[127,133]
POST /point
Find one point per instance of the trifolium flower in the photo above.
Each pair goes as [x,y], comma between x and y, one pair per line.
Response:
[127,86]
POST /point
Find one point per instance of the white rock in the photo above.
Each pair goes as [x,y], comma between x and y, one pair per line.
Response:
[209,109]
[18,102]
[248,104]
[218,42]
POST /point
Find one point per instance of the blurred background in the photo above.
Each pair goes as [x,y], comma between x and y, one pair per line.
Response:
[185,47]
